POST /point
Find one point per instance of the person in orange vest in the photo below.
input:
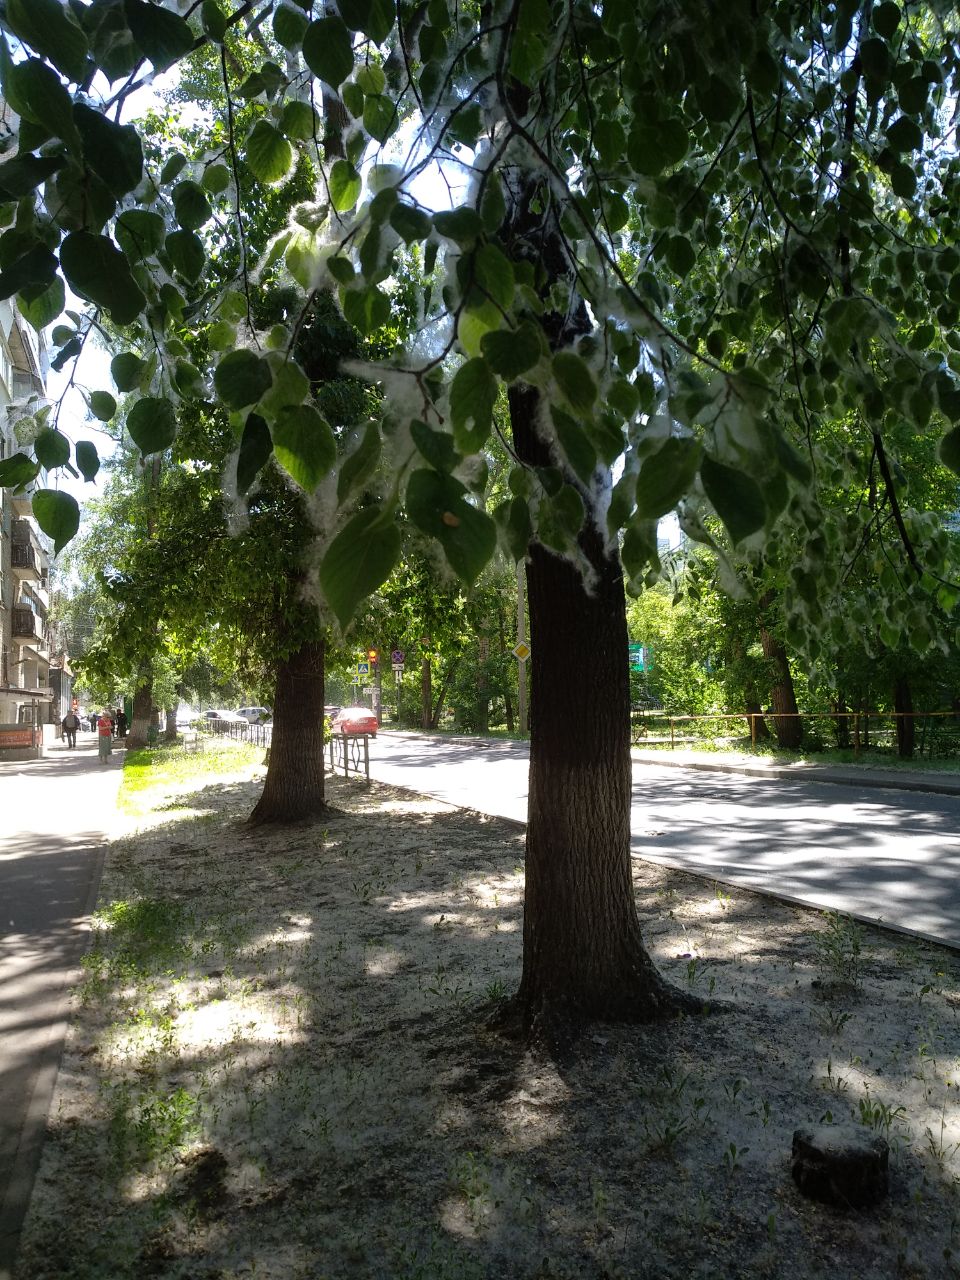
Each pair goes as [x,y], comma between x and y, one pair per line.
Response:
[104,735]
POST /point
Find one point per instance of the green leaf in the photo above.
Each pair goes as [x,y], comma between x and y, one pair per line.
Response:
[191,205]
[473,394]
[112,151]
[82,202]
[461,225]
[409,223]
[435,446]
[304,445]
[241,378]
[102,405]
[52,449]
[370,78]
[216,179]
[359,464]
[380,117]
[575,443]
[575,381]
[255,449]
[519,528]
[904,135]
[88,460]
[437,504]
[57,514]
[188,380]
[493,207]
[345,186]
[886,19]
[96,269]
[41,309]
[512,352]
[140,233]
[375,18]
[152,424]
[23,174]
[493,272]
[126,370]
[359,560]
[175,165]
[268,154]
[289,26]
[35,270]
[163,36]
[328,50]
[213,20]
[187,254]
[681,255]
[736,498]
[17,470]
[51,29]
[366,309]
[949,450]
[36,92]
[666,476]
[298,120]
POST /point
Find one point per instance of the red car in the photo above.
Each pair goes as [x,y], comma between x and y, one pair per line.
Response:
[354,720]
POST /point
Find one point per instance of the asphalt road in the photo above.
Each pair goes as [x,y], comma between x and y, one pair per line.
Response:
[884,855]
[53,815]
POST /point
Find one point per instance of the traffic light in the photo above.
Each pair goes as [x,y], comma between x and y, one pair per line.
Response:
[373,656]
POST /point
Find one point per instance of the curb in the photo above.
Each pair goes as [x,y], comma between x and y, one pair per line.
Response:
[812,773]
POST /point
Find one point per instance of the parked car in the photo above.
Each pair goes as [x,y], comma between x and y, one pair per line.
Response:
[255,715]
[220,713]
[354,720]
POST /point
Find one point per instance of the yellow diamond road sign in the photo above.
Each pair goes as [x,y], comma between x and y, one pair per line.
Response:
[521,651]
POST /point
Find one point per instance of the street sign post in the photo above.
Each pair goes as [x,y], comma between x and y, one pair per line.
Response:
[363,668]
[397,657]
[638,657]
[521,651]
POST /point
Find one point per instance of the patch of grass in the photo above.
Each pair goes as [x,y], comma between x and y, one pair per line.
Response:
[137,936]
[166,767]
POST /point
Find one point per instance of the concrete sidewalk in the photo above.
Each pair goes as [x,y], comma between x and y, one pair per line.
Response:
[54,816]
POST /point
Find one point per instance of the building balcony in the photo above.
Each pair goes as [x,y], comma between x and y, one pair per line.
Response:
[26,626]
[22,504]
[24,562]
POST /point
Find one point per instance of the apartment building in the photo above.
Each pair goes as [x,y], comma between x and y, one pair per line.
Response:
[26,697]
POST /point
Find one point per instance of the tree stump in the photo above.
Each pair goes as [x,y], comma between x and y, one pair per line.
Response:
[840,1165]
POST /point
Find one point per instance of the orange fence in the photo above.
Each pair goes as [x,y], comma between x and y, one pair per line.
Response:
[858,730]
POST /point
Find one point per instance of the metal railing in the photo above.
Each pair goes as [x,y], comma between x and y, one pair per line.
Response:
[350,753]
[259,735]
[935,732]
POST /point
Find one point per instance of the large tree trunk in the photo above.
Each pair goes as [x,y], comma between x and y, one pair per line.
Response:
[906,724]
[142,719]
[786,721]
[293,789]
[583,955]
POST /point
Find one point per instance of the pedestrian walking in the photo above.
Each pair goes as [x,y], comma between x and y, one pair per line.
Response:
[121,723]
[104,735]
[70,724]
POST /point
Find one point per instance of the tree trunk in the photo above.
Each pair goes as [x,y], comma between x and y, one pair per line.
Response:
[142,719]
[483,691]
[906,725]
[786,722]
[583,955]
[507,700]
[426,696]
[170,727]
[843,721]
[293,790]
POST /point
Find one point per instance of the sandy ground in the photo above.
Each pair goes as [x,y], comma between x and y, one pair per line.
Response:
[280,1066]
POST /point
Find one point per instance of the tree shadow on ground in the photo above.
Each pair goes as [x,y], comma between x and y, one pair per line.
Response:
[281,1066]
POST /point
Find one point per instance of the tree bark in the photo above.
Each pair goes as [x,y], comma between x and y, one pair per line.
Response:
[142,719]
[906,725]
[786,722]
[583,954]
[426,695]
[170,727]
[293,790]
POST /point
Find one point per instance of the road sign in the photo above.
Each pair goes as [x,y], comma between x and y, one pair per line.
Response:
[638,657]
[521,651]
[398,668]
[363,668]
[397,657]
